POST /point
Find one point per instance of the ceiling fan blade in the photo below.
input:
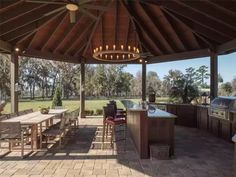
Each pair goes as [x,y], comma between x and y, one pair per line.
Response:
[55,11]
[72,16]
[46,2]
[87,13]
[95,7]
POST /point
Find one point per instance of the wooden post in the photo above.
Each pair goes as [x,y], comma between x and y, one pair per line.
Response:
[143,81]
[214,75]
[82,90]
[14,80]
[234,140]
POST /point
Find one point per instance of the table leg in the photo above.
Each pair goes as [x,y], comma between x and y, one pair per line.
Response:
[51,122]
[41,137]
[34,136]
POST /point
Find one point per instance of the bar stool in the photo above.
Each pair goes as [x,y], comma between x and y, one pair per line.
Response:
[110,120]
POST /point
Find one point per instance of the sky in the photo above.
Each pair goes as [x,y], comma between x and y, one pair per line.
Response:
[226,66]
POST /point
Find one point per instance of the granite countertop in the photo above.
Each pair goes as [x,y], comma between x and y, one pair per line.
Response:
[154,112]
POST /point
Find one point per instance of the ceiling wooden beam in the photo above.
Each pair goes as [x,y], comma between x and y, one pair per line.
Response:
[94,29]
[67,34]
[53,33]
[115,23]
[203,8]
[8,5]
[147,42]
[19,12]
[127,33]
[228,46]
[40,25]
[178,40]
[79,36]
[5,46]
[31,18]
[194,32]
[180,56]
[159,30]
[206,32]
[145,30]
[80,50]
[225,6]
[197,18]
[130,25]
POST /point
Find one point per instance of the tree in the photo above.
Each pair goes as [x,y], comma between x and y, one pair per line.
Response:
[226,89]
[57,101]
[202,74]
[5,76]
[153,82]
[184,89]
[220,78]
[168,81]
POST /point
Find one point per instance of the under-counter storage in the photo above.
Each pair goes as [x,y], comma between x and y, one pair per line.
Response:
[221,128]
[186,114]
[202,117]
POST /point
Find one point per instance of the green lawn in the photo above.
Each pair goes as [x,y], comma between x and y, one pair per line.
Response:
[69,104]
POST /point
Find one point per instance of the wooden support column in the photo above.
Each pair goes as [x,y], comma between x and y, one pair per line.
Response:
[14,80]
[214,75]
[82,90]
[143,81]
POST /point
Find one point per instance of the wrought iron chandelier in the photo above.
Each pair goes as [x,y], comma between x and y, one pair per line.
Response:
[116,53]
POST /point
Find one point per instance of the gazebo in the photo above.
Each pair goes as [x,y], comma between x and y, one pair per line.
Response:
[139,32]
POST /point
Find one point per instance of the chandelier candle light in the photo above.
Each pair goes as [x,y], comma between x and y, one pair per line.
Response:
[116,54]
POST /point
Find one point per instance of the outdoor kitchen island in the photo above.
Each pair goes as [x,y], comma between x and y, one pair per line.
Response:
[150,126]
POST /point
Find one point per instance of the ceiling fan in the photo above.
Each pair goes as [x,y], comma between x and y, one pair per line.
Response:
[72,6]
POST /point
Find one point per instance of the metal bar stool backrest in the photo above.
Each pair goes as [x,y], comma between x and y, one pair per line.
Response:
[10,130]
[108,111]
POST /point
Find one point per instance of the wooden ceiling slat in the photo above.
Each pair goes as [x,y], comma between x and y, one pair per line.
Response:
[19,12]
[80,49]
[212,13]
[30,19]
[42,36]
[147,42]
[197,18]
[206,32]
[78,37]
[143,28]
[72,31]
[193,38]
[178,40]
[226,6]
[53,34]
[9,5]
[159,31]
[41,23]
[94,28]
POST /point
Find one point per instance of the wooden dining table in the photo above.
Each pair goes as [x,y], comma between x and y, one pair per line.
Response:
[35,121]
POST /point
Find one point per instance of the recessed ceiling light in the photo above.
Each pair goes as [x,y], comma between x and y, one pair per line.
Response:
[17,49]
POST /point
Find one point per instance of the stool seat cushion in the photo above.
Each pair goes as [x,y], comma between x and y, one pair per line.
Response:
[115,121]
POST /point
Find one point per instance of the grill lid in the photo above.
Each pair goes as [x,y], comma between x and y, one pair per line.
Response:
[224,103]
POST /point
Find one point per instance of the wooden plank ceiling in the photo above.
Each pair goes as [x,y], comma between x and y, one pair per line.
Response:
[162,30]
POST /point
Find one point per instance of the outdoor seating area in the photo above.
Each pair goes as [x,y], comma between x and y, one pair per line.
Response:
[36,129]
[71,106]
[197,154]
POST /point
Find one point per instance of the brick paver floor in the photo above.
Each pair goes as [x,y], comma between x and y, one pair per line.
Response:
[197,154]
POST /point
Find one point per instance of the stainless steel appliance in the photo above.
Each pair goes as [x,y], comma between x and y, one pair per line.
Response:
[222,106]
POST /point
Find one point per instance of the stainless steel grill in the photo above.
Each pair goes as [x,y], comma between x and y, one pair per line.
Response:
[222,106]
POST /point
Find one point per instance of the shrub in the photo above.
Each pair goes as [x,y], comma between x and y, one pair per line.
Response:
[57,101]
[99,111]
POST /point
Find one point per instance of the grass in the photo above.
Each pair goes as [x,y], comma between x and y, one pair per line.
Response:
[68,104]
